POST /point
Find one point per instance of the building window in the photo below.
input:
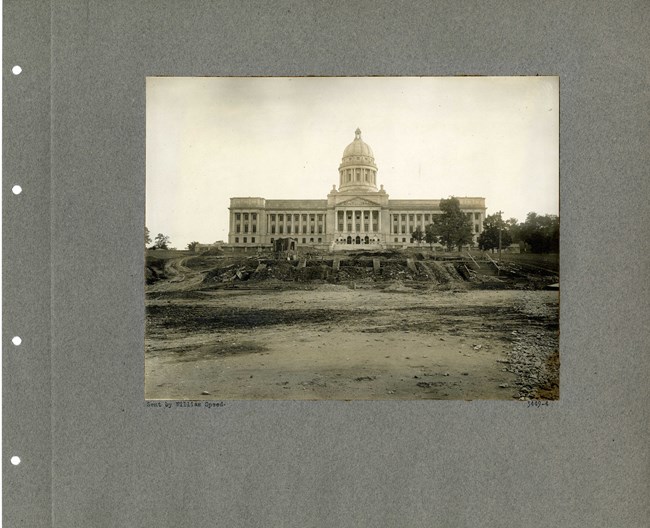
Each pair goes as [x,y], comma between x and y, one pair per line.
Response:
[245,216]
[238,228]
[237,216]
[477,216]
[272,218]
[254,228]
[236,240]
[374,227]
[281,229]
[403,218]
[340,227]
[320,229]
[311,230]
[476,228]
[403,240]
[396,240]
[312,217]
[358,227]
[245,228]
[289,229]
[304,240]
[304,229]
[403,229]
[304,218]
[410,218]
[280,217]
[320,217]
[365,227]
[320,240]
[349,227]
[253,240]
[254,216]
[245,240]
[296,217]
[427,217]
[311,240]
[272,240]
[273,230]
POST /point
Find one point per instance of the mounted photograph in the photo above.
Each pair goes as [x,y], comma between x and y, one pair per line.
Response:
[352,238]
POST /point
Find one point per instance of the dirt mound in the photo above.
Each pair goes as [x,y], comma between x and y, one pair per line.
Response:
[428,270]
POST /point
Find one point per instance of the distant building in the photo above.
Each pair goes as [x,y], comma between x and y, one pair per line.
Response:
[357,215]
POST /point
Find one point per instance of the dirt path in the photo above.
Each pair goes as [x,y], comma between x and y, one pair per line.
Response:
[180,277]
[335,342]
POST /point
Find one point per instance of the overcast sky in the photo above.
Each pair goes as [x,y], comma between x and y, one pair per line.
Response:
[209,139]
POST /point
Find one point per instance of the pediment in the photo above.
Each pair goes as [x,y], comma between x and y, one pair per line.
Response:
[357,202]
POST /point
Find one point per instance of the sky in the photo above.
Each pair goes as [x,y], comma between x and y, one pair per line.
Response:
[213,138]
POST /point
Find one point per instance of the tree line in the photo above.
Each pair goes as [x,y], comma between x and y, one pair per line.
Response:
[453,229]
[537,234]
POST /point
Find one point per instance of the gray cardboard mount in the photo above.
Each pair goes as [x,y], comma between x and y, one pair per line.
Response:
[74,138]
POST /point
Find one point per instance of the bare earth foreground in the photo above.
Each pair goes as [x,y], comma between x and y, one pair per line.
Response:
[359,340]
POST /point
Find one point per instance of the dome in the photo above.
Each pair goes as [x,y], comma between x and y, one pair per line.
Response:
[358,147]
[357,170]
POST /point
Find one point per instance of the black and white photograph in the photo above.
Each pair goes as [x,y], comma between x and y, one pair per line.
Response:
[352,238]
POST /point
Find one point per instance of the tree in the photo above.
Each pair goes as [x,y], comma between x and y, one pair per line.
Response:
[192,245]
[430,236]
[417,234]
[453,226]
[161,241]
[147,236]
[541,233]
[489,238]
[513,227]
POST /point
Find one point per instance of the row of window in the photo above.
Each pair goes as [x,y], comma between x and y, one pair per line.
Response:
[312,229]
[427,217]
[312,217]
[357,215]
[280,229]
[238,228]
[395,228]
[245,240]
[238,216]
[296,217]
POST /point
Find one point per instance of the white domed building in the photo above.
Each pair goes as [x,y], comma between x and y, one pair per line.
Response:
[357,215]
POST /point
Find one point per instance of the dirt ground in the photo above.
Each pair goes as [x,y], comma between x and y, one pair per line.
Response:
[387,340]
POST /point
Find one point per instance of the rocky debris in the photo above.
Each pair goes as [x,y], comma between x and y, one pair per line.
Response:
[534,359]
[205,393]
[365,378]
